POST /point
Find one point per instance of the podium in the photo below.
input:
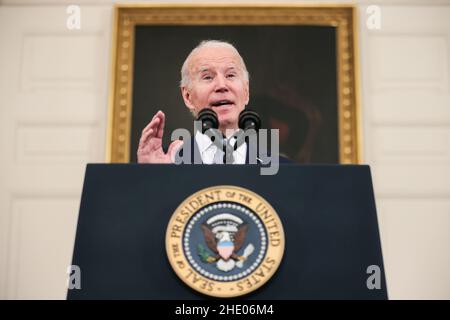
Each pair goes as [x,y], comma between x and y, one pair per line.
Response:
[327,211]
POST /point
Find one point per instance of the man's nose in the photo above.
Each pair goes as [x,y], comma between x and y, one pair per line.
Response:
[221,84]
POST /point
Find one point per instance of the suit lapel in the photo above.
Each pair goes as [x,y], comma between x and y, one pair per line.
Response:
[253,150]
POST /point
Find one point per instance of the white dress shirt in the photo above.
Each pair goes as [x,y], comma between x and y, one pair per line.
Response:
[208,150]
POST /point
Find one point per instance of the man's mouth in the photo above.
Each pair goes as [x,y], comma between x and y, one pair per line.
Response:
[222,103]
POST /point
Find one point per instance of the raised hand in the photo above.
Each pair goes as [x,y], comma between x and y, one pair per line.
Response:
[150,145]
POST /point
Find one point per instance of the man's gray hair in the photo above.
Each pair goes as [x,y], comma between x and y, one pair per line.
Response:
[185,75]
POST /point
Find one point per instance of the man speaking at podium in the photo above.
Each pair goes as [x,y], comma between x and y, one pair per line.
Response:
[213,76]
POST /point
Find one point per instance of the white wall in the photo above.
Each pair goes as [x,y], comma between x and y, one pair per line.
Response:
[53,108]
[406,106]
[53,89]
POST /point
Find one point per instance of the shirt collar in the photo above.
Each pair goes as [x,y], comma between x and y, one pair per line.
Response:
[204,142]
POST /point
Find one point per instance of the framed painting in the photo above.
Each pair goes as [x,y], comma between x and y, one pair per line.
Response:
[301,60]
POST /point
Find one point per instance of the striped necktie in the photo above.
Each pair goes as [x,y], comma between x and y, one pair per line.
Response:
[228,157]
[226,154]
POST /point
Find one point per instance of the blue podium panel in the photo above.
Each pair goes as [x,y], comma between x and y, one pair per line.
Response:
[328,214]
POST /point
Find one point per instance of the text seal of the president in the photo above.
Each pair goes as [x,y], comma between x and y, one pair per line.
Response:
[225,241]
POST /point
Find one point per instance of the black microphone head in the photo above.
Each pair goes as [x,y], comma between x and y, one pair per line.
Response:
[249,119]
[209,119]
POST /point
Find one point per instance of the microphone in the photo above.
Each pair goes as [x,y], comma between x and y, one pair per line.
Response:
[208,118]
[249,119]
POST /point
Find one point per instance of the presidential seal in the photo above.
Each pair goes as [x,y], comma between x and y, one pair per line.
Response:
[225,241]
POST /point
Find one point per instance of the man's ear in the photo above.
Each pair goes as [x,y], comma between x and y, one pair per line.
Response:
[247,92]
[187,98]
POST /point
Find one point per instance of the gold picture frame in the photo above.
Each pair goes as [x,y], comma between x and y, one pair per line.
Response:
[127,17]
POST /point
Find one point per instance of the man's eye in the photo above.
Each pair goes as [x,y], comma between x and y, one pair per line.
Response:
[231,75]
[207,78]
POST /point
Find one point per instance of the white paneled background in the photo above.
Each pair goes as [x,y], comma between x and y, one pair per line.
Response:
[406,119]
[53,93]
[53,118]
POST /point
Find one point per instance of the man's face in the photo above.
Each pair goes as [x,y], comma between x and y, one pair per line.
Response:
[217,82]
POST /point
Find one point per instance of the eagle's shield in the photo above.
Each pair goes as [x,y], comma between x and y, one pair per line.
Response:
[225,249]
